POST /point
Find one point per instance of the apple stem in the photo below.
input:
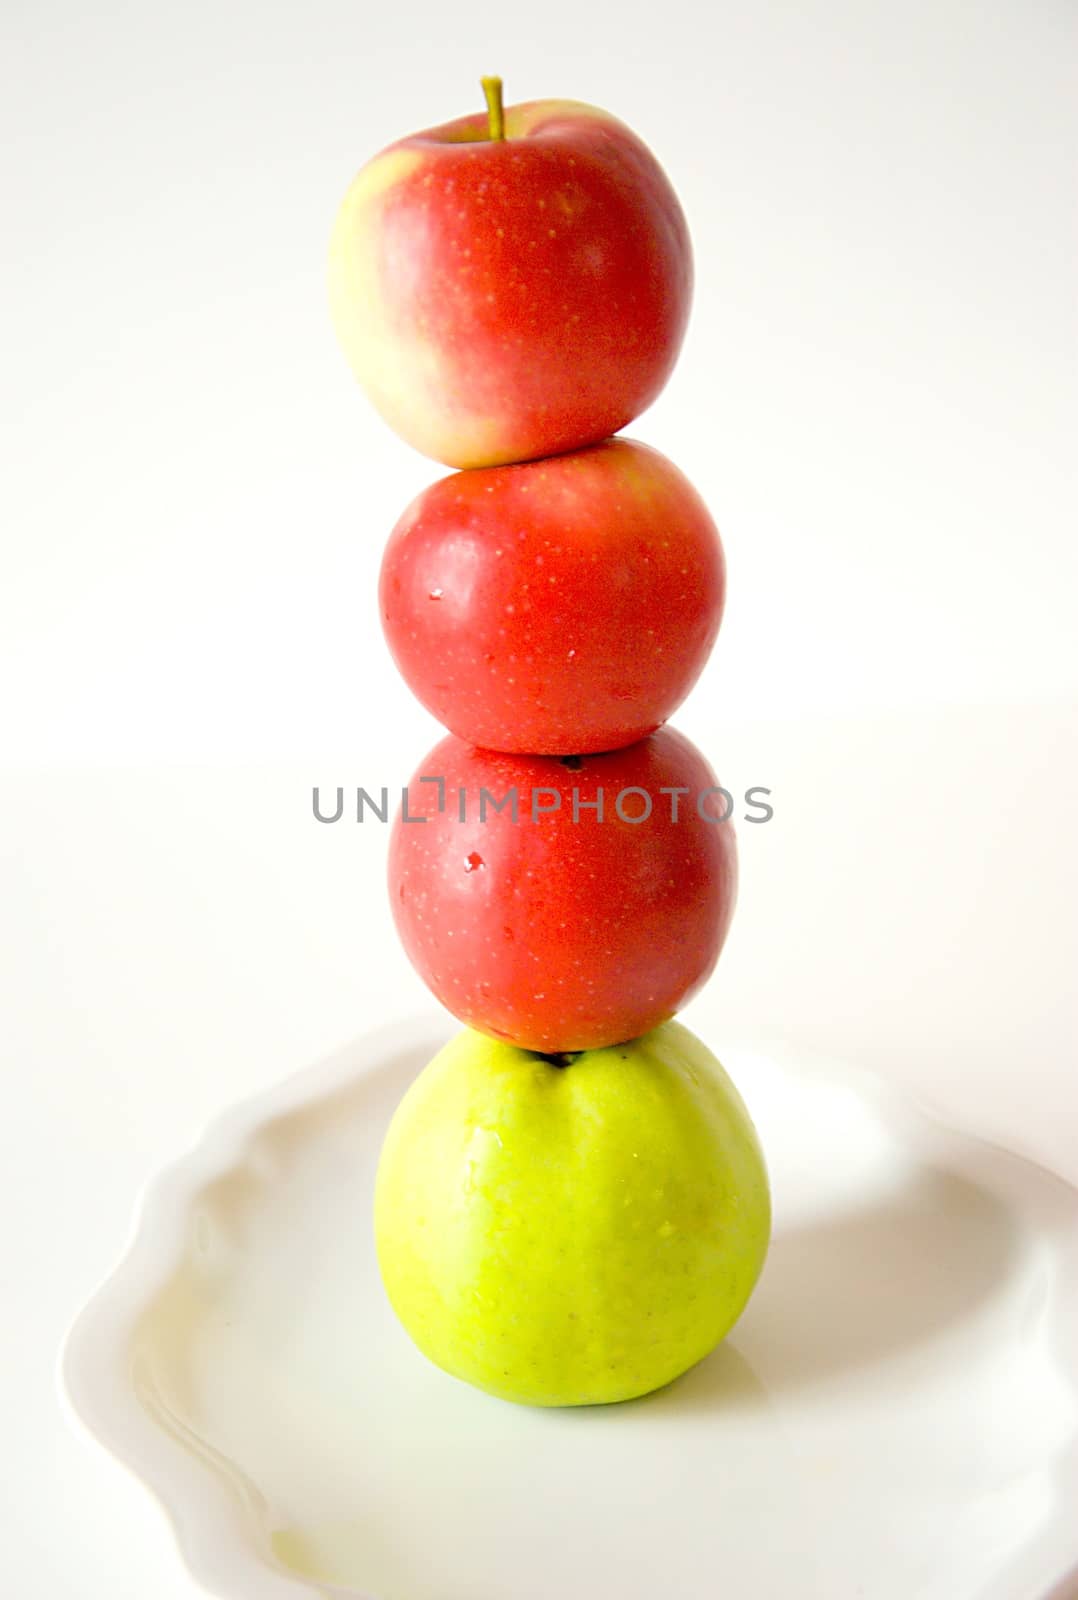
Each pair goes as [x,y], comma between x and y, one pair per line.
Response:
[492,89]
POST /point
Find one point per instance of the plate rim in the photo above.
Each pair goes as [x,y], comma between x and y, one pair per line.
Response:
[209,1527]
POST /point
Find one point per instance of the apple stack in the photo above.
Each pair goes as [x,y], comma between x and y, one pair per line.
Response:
[572,1206]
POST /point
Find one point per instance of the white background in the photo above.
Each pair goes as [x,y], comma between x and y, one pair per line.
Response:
[877,397]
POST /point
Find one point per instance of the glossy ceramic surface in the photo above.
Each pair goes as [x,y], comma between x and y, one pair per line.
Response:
[895,1417]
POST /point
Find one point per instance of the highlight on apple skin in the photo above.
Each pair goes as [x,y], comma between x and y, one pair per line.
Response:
[546,924]
[576,1232]
[559,607]
[505,298]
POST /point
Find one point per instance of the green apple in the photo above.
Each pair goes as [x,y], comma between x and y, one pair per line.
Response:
[571,1230]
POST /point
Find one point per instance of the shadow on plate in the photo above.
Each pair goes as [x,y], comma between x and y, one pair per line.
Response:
[860,1288]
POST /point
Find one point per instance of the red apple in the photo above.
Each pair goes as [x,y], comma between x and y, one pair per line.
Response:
[559,931]
[506,298]
[560,606]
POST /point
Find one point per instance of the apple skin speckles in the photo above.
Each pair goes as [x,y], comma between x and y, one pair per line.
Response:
[571,1228]
[578,599]
[502,301]
[568,935]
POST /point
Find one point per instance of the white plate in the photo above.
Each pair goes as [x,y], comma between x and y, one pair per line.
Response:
[895,1417]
